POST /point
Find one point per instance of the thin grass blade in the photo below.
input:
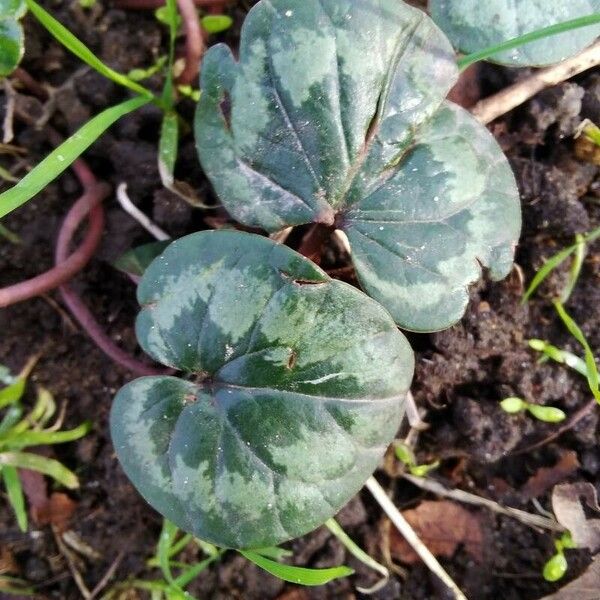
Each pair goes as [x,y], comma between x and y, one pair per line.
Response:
[469,59]
[41,464]
[576,266]
[64,155]
[359,554]
[298,575]
[19,440]
[79,49]
[547,268]
[590,361]
[14,492]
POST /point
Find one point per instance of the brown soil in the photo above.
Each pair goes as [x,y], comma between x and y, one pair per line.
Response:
[461,373]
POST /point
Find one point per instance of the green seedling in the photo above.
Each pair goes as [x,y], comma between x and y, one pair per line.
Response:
[141,74]
[177,575]
[590,362]
[548,414]
[21,430]
[406,456]
[216,23]
[558,355]
[473,25]
[557,566]
[589,130]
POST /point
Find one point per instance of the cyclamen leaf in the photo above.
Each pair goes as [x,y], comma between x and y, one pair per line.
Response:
[11,45]
[473,25]
[299,384]
[335,114]
[12,9]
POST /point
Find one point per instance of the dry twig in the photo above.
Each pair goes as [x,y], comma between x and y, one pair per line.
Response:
[467,498]
[495,106]
[411,537]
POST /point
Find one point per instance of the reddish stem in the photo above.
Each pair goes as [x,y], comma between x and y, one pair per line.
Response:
[194,42]
[153,4]
[88,203]
[74,303]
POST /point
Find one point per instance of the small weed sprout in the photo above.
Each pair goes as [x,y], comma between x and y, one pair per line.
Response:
[557,566]
[406,456]
[20,430]
[548,414]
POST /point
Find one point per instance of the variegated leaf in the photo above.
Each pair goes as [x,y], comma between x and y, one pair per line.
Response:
[473,25]
[297,386]
[335,113]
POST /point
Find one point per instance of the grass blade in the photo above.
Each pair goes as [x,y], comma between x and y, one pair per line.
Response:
[167,538]
[575,271]
[14,492]
[469,59]
[193,571]
[64,155]
[298,575]
[79,49]
[560,356]
[12,586]
[167,148]
[549,266]
[7,234]
[41,464]
[172,15]
[12,393]
[10,418]
[18,440]
[590,361]
[554,261]
[359,554]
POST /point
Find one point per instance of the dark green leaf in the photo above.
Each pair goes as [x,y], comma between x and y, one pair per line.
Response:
[335,114]
[136,260]
[473,25]
[299,384]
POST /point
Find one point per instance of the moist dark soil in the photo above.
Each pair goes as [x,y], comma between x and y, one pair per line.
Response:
[461,373]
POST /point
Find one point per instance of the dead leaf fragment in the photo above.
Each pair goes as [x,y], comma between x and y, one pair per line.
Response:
[56,511]
[568,506]
[585,587]
[442,526]
[547,477]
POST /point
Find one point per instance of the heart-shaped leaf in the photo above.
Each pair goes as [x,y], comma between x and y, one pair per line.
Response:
[473,25]
[335,114]
[298,386]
